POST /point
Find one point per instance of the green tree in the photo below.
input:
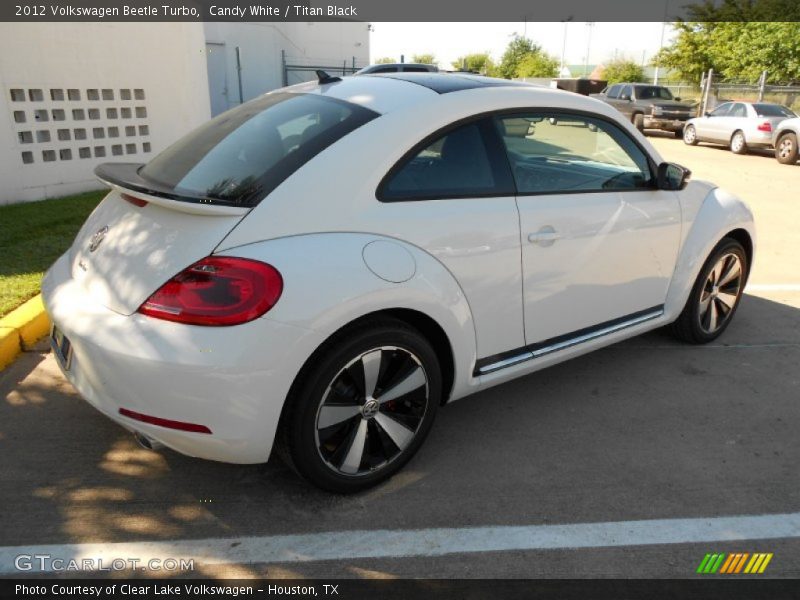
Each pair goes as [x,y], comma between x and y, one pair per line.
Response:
[425,59]
[735,50]
[536,60]
[623,70]
[539,64]
[385,60]
[480,62]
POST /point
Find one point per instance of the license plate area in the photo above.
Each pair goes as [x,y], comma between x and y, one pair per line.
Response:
[62,348]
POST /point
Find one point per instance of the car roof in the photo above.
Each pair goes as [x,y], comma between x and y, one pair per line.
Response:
[444,83]
[386,92]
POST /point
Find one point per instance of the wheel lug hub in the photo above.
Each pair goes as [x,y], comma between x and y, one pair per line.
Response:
[370,408]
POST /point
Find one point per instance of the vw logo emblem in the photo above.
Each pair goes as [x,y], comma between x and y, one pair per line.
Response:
[97,238]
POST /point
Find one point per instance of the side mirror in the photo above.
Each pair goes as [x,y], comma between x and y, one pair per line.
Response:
[706,114]
[672,177]
[677,98]
[625,97]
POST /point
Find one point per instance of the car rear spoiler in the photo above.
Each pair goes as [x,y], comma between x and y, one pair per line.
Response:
[125,178]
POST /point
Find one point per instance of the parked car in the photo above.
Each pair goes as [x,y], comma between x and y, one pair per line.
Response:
[648,106]
[785,140]
[398,68]
[738,125]
[239,294]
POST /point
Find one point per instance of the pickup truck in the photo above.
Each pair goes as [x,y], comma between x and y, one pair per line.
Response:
[648,106]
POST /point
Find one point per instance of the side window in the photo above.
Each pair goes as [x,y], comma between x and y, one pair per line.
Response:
[416,70]
[456,165]
[570,153]
[385,70]
[738,110]
[613,91]
[721,110]
[627,92]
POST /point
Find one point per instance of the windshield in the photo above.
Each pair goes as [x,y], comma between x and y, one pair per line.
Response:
[653,91]
[772,110]
[243,154]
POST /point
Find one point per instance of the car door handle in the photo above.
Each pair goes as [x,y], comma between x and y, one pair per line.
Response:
[546,236]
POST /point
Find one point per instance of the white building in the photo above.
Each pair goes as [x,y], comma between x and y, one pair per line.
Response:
[73,95]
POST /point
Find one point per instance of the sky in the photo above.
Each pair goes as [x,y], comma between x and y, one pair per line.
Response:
[448,41]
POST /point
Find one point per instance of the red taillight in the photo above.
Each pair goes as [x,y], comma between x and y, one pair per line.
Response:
[217,290]
[169,423]
[765,126]
[134,200]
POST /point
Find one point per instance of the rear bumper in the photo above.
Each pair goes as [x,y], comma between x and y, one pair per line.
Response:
[663,123]
[759,139]
[233,380]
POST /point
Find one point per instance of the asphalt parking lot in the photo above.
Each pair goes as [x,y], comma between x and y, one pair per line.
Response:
[652,443]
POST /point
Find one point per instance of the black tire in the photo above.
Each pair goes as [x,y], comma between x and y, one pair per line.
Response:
[333,374]
[738,144]
[691,325]
[786,151]
[689,135]
[638,121]
[678,133]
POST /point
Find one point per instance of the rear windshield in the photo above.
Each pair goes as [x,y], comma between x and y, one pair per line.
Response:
[772,110]
[652,91]
[240,156]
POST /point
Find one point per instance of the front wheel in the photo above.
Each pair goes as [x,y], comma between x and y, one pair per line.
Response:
[715,295]
[690,135]
[363,407]
[738,143]
[786,149]
[638,121]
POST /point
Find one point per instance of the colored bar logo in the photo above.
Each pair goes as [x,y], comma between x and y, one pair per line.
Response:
[734,563]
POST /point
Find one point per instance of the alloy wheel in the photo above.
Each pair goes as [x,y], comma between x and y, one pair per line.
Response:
[689,135]
[785,147]
[720,292]
[372,411]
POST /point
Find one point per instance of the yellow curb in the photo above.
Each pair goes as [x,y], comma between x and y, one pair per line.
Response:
[21,329]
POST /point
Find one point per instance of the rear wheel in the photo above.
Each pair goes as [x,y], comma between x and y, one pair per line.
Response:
[715,295]
[638,121]
[786,149]
[363,408]
[690,135]
[738,143]
[678,133]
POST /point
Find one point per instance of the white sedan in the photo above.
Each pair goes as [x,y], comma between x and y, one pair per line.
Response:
[318,270]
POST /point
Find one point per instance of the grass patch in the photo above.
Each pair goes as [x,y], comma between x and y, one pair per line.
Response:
[32,236]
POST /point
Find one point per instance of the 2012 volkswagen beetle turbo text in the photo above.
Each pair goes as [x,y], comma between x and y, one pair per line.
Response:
[316,271]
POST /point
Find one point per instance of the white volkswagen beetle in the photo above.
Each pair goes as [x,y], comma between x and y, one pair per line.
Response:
[317,270]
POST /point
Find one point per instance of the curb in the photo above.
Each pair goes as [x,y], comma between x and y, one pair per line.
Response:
[21,329]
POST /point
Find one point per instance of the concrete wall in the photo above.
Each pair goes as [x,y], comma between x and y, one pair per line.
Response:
[151,86]
[260,47]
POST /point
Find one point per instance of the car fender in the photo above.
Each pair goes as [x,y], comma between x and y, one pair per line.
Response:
[709,214]
[333,279]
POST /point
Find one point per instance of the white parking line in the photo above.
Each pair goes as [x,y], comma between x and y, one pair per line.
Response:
[345,545]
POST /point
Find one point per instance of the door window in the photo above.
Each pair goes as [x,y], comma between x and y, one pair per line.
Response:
[738,110]
[722,110]
[613,91]
[626,93]
[560,153]
[458,164]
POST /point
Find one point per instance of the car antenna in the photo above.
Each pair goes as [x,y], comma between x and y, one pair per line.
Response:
[323,77]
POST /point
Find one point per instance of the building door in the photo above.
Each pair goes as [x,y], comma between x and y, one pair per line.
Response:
[217,65]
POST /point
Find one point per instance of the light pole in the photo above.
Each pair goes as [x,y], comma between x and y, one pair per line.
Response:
[661,43]
[564,46]
[589,27]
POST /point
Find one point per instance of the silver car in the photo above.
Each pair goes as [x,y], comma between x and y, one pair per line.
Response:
[739,125]
[785,141]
